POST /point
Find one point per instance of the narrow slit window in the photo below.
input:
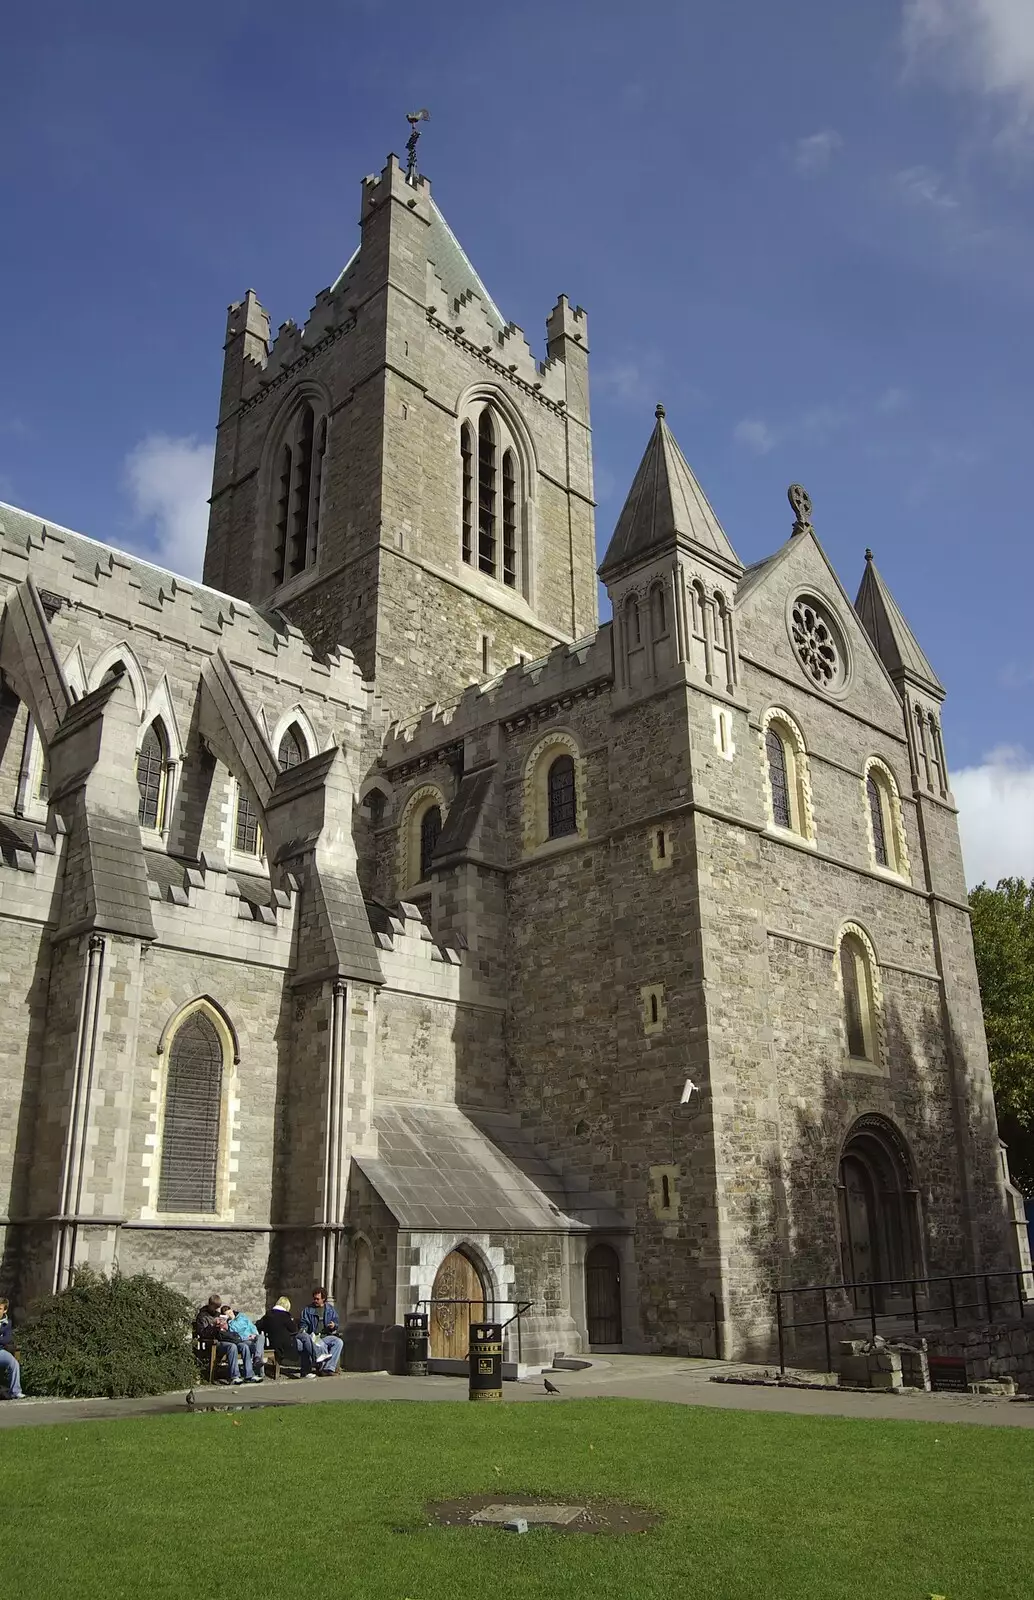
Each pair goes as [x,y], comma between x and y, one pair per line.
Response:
[661,844]
[485,662]
[486,495]
[665,1191]
[660,613]
[562,813]
[778,779]
[879,830]
[653,1008]
[467,459]
[509,520]
[150,777]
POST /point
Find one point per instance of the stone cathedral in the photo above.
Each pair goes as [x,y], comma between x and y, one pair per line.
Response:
[372,914]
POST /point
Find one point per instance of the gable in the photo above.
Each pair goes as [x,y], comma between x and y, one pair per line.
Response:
[763,633]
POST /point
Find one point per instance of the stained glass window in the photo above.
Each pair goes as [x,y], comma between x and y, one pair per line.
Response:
[190,1126]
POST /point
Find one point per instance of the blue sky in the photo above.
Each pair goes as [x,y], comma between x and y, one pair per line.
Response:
[808,229]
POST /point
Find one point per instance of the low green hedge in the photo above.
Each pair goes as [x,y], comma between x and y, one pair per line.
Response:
[108,1336]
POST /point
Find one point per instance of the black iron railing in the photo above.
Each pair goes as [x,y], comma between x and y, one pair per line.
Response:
[921,1301]
[487,1312]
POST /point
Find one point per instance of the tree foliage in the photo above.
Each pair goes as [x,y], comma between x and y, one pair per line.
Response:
[108,1336]
[1003,939]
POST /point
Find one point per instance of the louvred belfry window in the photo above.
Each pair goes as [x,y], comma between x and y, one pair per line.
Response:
[190,1127]
[486,495]
[562,815]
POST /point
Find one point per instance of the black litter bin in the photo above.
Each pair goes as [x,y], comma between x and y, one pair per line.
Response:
[486,1361]
[416,1344]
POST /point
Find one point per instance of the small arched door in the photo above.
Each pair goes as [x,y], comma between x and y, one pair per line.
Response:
[457,1300]
[603,1295]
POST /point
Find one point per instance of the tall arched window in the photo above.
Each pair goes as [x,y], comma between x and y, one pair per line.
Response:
[493,487]
[467,460]
[486,494]
[562,808]
[786,775]
[361,1298]
[858,987]
[633,623]
[189,1170]
[152,766]
[430,832]
[293,749]
[885,822]
[297,492]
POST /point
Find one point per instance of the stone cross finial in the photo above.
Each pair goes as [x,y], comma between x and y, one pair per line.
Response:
[800,504]
[660,412]
[414,118]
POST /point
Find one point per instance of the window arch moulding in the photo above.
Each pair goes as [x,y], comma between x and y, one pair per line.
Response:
[294,716]
[884,820]
[121,654]
[535,807]
[859,987]
[226,1148]
[787,776]
[419,803]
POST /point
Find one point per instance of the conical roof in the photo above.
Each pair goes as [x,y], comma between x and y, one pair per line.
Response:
[893,639]
[666,505]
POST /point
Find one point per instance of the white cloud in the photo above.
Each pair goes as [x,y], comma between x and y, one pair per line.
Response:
[812,155]
[630,383]
[996,816]
[755,434]
[921,186]
[892,401]
[168,481]
[987,45]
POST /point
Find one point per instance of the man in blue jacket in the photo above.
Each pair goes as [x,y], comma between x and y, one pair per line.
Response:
[320,1320]
[10,1371]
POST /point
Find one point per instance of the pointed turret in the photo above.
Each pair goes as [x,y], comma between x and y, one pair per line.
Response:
[893,639]
[666,507]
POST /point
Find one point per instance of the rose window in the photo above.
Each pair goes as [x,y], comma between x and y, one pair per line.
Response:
[817,647]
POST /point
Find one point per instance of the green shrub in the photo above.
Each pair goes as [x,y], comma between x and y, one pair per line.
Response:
[108,1336]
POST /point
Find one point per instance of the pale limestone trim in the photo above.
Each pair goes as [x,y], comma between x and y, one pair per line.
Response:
[134,672]
[723,739]
[29,802]
[870,989]
[655,1011]
[893,820]
[798,775]
[289,719]
[229,1118]
[662,848]
[535,796]
[419,802]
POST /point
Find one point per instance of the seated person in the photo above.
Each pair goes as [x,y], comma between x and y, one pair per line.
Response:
[10,1371]
[240,1324]
[320,1320]
[285,1337]
[210,1328]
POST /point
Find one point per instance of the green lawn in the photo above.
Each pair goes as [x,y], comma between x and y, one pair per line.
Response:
[327,1500]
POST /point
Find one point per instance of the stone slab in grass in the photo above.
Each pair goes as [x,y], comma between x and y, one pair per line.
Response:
[495,1510]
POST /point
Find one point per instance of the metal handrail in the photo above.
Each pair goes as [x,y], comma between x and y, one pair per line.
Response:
[916,1288]
[522,1307]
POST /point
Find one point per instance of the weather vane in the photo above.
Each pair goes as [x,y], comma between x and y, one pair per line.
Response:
[414,118]
[800,504]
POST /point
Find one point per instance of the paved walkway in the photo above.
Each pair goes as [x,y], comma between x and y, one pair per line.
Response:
[632,1377]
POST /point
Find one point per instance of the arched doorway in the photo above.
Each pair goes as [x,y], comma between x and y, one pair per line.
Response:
[603,1295]
[879,1213]
[457,1300]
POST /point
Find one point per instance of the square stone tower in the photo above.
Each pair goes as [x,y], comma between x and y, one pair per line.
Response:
[401,476]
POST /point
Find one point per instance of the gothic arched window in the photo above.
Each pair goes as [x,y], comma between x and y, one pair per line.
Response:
[886,825]
[247,831]
[859,995]
[430,832]
[293,749]
[188,1178]
[152,766]
[297,492]
[561,792]
[493,489]
[786,773]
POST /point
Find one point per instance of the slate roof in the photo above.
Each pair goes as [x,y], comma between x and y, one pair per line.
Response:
[86,558]
[464,813]
[439,1168]
[893,639]
[666,505]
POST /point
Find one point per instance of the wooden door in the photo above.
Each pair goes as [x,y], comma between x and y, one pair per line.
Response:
[457,1281]
[858,1224]
[603,1295]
